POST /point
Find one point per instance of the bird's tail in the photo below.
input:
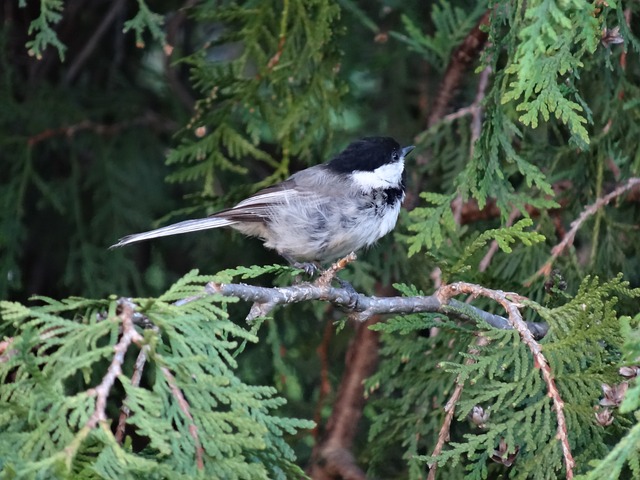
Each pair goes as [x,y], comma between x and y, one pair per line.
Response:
[175,229]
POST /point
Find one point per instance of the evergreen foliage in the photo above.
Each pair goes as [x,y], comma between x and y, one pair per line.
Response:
[500,377]
[255,89]
[90,153]
[60,354]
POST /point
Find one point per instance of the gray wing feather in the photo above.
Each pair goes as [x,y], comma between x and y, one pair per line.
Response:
[253,209]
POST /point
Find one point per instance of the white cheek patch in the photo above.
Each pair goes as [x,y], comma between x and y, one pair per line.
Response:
[388,175]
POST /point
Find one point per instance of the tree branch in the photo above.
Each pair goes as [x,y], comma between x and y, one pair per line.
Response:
[135,381]
[461,58]
[450,409]
[590,210]
[184,406]
[332,457]
[101,391]
[363,305]
[511,303]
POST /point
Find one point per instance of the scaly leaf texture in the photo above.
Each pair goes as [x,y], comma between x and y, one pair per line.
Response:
[61,350]
[553,39]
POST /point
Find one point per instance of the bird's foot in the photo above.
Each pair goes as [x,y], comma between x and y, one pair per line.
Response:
[311,269]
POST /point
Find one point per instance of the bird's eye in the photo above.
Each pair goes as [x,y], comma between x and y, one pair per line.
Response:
[395,156]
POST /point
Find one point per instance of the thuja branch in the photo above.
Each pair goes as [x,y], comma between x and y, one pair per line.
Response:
[511,302]
[265,299]
[590,210]
[101,391]
[450,408]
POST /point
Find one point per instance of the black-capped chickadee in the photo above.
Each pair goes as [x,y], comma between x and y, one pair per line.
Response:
[321,213]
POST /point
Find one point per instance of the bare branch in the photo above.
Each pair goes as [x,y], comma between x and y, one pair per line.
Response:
[365,306]
[101,391]
[511,303]
[590,210]
[450,410]
[90,45]
[184,406]
[135,381]
[460,60]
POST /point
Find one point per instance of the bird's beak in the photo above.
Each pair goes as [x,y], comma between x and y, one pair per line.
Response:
[407,150]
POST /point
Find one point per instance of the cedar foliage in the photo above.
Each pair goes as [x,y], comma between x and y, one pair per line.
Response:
[277,86]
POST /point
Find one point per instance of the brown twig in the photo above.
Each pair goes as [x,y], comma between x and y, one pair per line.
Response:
[450,410]
[331,457]
[5,352]
[475,110]
[101,391]
[511,303]
[325,384]
[590,210]
[135,381]
[273,61]
[493,248]
[90,45]
[330,273]
[101,129]
[184,406]
[461,58]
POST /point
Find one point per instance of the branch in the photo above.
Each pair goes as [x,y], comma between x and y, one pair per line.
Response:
[590,210]
[135,381]
[450,409]
[101,391]
[184,406]
[363,305]
[511,303]
[101,129]
[461,58]
[90,45]
[332,457]
[5,352]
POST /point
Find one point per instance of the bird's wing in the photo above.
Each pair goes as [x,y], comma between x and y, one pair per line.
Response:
[258,207]
[254,209]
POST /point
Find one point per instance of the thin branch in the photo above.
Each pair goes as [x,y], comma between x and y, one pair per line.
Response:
[461,58]
[90,45]
[101,391]
[101,129]
[493,248]
[184,406]
[475,110]
[476,113]
[273,61]
[510,302]
[330,273]
[590,210]
[325,383]
[362,304]
[450,409]
[5,352]
[135,381]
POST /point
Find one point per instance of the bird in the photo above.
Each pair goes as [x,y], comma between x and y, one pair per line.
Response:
[318,214]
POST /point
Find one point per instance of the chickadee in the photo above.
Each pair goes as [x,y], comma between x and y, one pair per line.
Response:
[320,213]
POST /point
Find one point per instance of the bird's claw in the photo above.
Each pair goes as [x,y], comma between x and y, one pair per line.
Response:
[311,269]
